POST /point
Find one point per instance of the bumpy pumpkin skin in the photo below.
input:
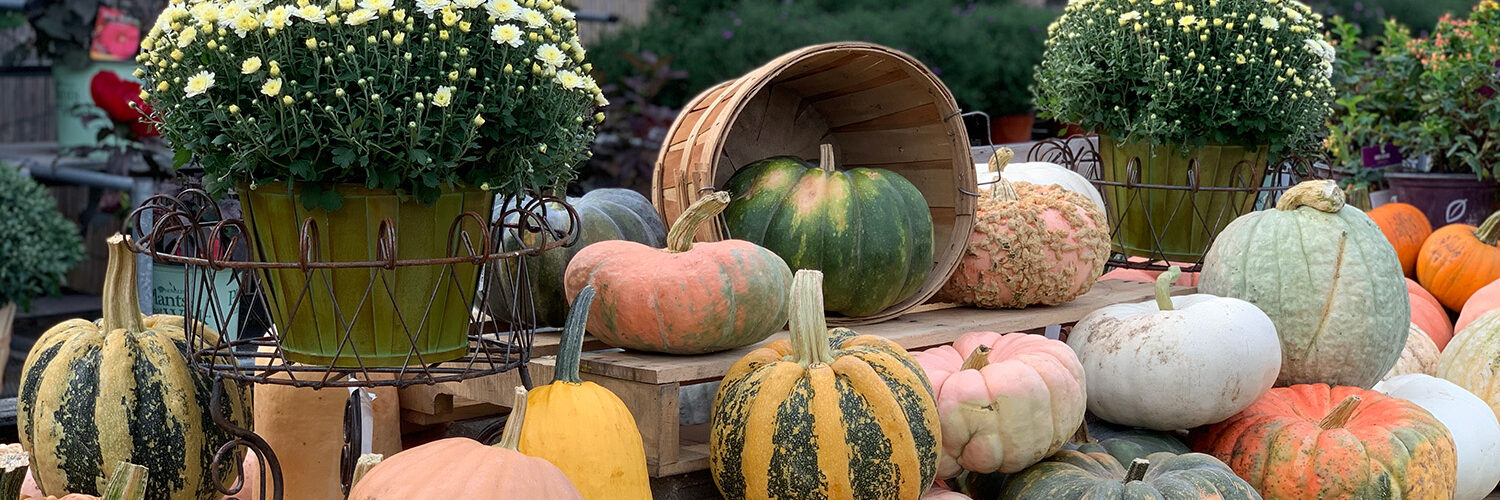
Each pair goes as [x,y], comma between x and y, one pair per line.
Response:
[1419,356]
[1072,474]
[1472,360]
[1406,227]
[1019,407]
[603,214]
[1327,278]
[869,230]
[1387,448]
[1047,247]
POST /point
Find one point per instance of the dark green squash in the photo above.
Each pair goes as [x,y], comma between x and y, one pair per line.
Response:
[94,394]
[1072,474]
[1124,443]
[868,230]
[603,214]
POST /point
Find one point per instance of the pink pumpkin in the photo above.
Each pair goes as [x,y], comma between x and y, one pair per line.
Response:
[1004,401]
[1031,244]
[1142,275]
[1428,314]
[1486,299]
[940,492]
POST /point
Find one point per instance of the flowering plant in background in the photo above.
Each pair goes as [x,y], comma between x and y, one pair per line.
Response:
[1190,72]
[412,95]
[1459,112]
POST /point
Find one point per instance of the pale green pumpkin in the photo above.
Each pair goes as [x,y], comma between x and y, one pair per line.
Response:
[1328,279]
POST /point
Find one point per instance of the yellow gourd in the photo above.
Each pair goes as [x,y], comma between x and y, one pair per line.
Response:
[584,429]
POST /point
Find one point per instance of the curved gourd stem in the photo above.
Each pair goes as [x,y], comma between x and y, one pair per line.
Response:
[1324,196]
[1164,283]
[122,309]
[1082,435]
[680,237]
[363,465]
[127,483]
[1341,413]
[14,462]
[825,158]
[510,438]
[978,359]
[1137,470]
[1002,190]
[571,347]
[1489,231]
[809,329]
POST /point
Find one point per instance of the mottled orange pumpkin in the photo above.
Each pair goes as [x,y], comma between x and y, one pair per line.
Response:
[1316,441]
[1406,227]
[1458,260]
[1428,314]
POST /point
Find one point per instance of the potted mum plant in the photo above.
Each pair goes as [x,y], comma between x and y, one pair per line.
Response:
[353,112]
[1223,85]
[38,246]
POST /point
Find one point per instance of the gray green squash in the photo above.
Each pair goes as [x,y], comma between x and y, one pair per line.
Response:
[1099,476]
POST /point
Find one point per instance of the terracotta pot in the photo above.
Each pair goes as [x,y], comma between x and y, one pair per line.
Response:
[1011,129]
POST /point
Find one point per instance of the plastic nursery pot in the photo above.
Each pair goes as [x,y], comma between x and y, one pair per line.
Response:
[375,317]
[1154,210]
[1445,198]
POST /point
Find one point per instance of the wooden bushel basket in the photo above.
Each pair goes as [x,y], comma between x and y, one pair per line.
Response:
[878,108]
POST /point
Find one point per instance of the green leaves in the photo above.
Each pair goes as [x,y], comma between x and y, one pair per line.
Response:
[37,245]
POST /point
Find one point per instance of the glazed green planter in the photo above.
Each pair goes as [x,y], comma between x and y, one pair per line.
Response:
[1176,225]
[404,316]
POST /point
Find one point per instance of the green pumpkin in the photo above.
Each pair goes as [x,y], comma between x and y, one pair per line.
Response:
[94,394]
[1124,443]
[869,230]
[1328,279]
[1073,474]
[603,215]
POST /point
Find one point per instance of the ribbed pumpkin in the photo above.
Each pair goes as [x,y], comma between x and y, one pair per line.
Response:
[1032,244]
[1406,227]
[1124,443]
[1004,401]
[1486,299]
[867,229]
[93,394]
[826,414]
[462,468]
[1472,360]
[1475,429]
[687,299]
[1458,260]
[584,429]
[603,214]
[1078,475]
[1419,356]
[1316,441]
[1327,278]
[1428,314]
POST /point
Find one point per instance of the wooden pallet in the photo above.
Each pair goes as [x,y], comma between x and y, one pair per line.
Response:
[650,383]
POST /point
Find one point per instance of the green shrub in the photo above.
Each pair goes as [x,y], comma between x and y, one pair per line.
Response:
[37,245]
[1370,15]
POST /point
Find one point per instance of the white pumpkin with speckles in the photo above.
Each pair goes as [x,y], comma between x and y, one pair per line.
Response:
[1476,431]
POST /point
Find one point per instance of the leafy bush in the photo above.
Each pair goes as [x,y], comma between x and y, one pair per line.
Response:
[1370,15]
[37,245]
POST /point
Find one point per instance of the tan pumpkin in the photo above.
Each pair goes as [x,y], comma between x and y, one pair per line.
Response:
[1419,356]
[1472,360]
[1406,227]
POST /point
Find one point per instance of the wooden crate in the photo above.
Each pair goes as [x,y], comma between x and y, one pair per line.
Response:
[650,383]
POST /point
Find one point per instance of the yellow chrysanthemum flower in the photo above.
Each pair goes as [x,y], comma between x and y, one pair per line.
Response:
[272,87]
[478,121]
[162,86]
[176,55]
[245,23]
[451,17]
[199,83]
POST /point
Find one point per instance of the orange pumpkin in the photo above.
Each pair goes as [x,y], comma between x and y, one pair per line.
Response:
[1458,260]
[1484,300]
[1428,314]
[1316,441]
[1406,227]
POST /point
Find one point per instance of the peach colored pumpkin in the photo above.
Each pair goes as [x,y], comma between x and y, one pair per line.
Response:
[1142,275]
[1004,401]
[1419,356]
[940,492]
[1429,315]
[1031,244]
[1484,300]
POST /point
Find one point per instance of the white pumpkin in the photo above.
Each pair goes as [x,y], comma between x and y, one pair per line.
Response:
[1176,362]
[1040,172]
[1476,432]
[1419,356]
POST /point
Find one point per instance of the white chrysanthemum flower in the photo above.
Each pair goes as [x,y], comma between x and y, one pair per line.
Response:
[199,83]
[1127,17]
[246,22]
[560,14]
[468,4]
[569,80]
[250,66]
[1292,14]
[313,14]
[443,97]
[533,19]
[279,18]
[360,16]
[172,14]
[1187,21]
[229,12]
[1269,23]
[506,34]
[431,7]
[206,13]
[255,4]
[187,36]
[381,6]
[272,87]
[503,10]
[551,56]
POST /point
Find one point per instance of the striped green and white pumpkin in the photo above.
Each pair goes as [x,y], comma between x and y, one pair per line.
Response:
[868,229]
[829,414]
[94,394]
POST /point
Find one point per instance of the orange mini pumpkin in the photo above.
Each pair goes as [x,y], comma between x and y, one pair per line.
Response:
[1406,227]
[1316,441]
[1459,259]
[1428,314]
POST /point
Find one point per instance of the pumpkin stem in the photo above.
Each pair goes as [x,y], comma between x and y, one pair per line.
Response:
[571,347]
[15,462]
[1164,283]
[1082,435]
[510,438]
[1341,413]
[1137,470]
[363,465]
[680,237]
[825,158]
[1489,231]
[809,329]
[1002,190]
[1358,197]
[122,309]
[1324,196]
[127,483]
[980,358]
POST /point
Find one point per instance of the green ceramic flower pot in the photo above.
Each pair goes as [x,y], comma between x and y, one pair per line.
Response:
[1176,224]
[373,317]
